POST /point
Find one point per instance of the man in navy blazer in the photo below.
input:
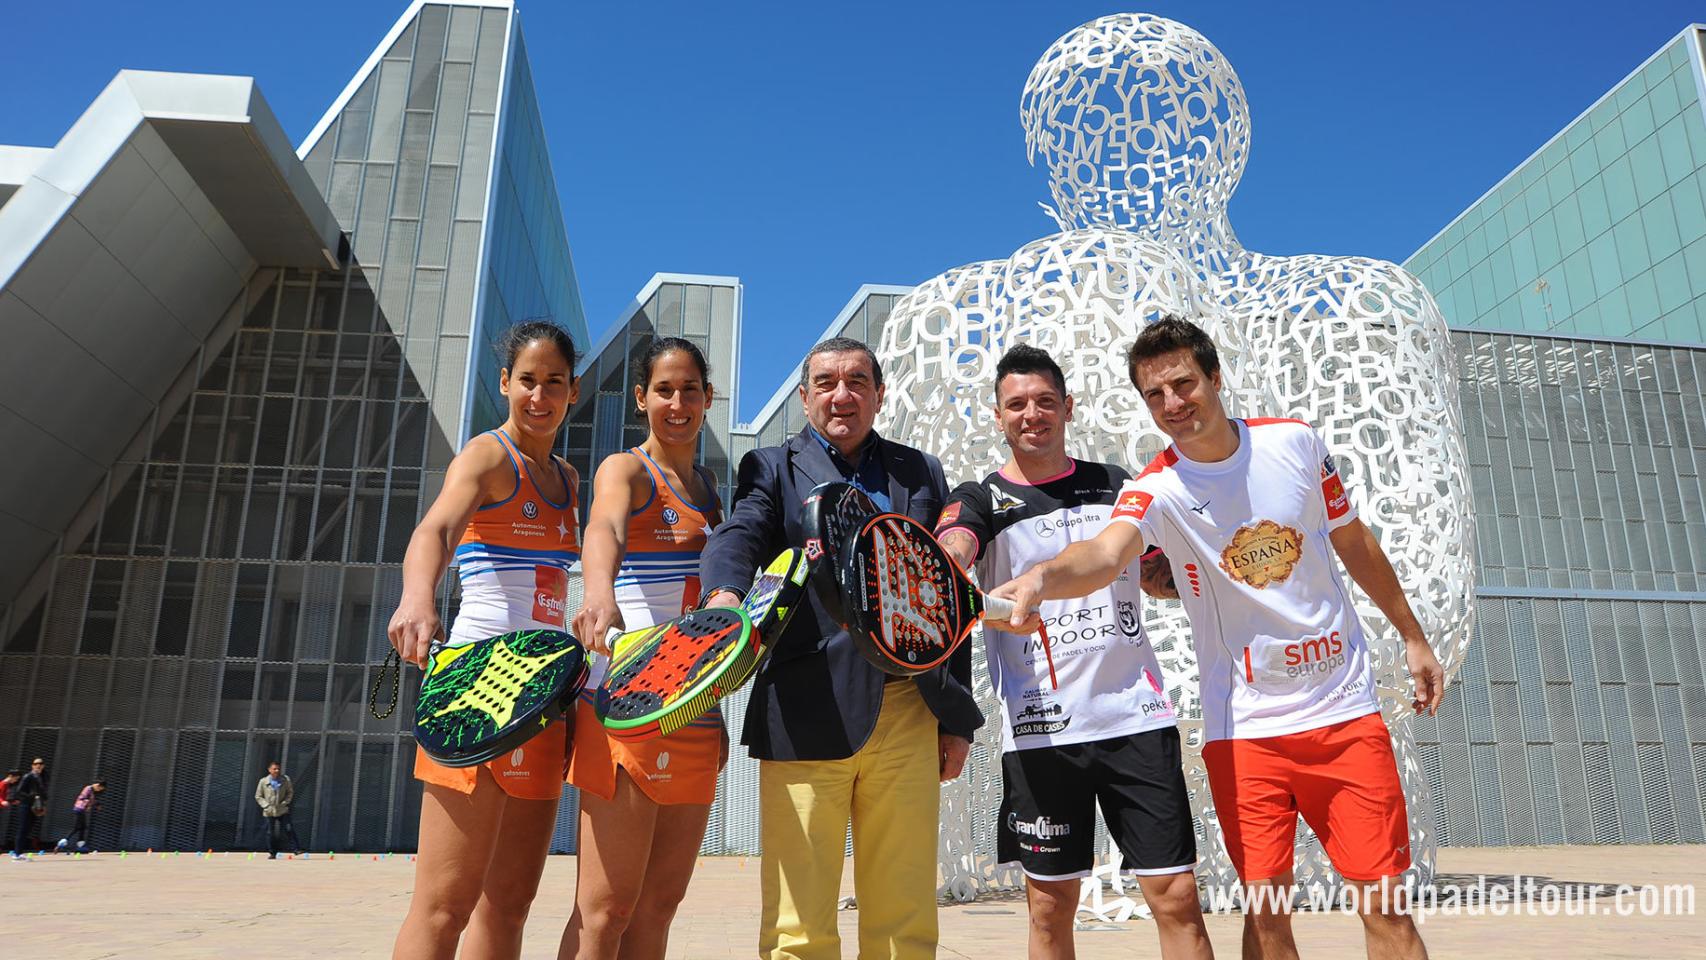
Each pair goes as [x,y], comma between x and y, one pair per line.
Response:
[838,740]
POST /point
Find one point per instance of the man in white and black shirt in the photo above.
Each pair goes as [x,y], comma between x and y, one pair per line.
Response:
[1088,720]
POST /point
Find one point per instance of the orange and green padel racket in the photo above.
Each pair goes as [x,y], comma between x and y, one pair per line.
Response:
[663,677]
[484,699]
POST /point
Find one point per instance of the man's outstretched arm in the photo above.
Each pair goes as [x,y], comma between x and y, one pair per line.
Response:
[1079,570]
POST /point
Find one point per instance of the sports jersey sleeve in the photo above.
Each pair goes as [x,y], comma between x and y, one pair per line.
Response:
[1333,495]
[1118,475]
[1132,506]
[969,509]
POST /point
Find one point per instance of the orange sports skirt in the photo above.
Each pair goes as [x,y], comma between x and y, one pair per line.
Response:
[532,771]
[678,768]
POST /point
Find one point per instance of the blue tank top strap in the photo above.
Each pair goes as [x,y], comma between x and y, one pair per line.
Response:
[659,474]
[711,486]
[514,468]
[563,475]
[645,462]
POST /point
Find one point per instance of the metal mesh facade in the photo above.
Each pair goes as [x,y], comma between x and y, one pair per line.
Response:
[230,606]
[1580,712]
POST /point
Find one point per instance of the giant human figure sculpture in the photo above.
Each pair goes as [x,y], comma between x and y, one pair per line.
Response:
[1145,131]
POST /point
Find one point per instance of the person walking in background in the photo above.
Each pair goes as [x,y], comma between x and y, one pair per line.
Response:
[274,794]
[88,801]
[29,803]
[8,819]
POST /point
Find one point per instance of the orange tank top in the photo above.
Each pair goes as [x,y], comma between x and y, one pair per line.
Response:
[513,560]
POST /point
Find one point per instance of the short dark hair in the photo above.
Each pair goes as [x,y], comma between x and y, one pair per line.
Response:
[1025,358]
[1166,335]
[512,341]
[14,773]
[662,345]
[274,763]
[841,345]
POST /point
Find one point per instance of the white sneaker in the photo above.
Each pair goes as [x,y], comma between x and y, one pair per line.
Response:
[59,847]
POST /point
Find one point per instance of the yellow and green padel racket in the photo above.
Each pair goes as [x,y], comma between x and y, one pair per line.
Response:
[481,700]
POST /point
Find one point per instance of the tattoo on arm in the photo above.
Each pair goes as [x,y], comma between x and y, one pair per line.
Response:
[1156,576]
[962,546]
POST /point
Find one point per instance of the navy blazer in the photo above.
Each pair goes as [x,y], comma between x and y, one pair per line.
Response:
[816,697]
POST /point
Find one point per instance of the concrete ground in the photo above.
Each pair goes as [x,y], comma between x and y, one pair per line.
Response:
[228,906]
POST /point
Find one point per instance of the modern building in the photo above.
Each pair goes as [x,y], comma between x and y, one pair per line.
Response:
[278,348]
[1577,290]
[281,346]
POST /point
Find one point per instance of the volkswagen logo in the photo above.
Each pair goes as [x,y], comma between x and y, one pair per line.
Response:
[530,510]
[670,516]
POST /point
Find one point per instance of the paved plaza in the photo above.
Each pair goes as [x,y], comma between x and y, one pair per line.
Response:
[229,905]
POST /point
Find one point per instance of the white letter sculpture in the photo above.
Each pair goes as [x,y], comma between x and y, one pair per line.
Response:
[1145,132]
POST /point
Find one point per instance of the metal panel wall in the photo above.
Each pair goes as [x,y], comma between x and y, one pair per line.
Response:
[1580,710]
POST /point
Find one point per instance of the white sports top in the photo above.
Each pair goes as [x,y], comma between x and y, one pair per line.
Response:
[1105,680]
[1279,646]
[514,559]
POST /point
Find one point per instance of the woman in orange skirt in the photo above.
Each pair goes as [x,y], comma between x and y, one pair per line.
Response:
[507,513]
[644,804]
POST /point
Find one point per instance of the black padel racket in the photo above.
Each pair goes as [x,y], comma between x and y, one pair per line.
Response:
[771,603]
[909,604]
[482,700]
[666,676]
[834,512]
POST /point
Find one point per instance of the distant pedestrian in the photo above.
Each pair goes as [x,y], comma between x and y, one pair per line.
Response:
[274,794]
[87,803]
[29,803]
[8,809]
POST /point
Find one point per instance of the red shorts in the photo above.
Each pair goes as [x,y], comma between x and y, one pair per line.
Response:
[1342,778]
[532,771]
[679,768]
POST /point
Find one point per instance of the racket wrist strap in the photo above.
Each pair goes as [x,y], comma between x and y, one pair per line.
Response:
[394,666]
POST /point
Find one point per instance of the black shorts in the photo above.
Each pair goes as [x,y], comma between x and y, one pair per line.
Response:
[1049,797]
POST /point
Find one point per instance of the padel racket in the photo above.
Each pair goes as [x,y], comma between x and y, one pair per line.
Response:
[833,513]
[910,605]
[666,676]
[484,699]
[771,603]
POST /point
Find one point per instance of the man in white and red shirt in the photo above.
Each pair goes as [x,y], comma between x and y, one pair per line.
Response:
[1251,515]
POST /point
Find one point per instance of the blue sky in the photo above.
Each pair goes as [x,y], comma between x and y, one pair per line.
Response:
[810,148]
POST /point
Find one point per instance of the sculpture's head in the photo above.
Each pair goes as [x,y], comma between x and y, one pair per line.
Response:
[1141,122]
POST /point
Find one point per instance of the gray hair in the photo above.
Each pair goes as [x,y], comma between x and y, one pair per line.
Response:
[841,345]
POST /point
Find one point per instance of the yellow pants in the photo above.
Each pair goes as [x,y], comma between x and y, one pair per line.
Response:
[889,790]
